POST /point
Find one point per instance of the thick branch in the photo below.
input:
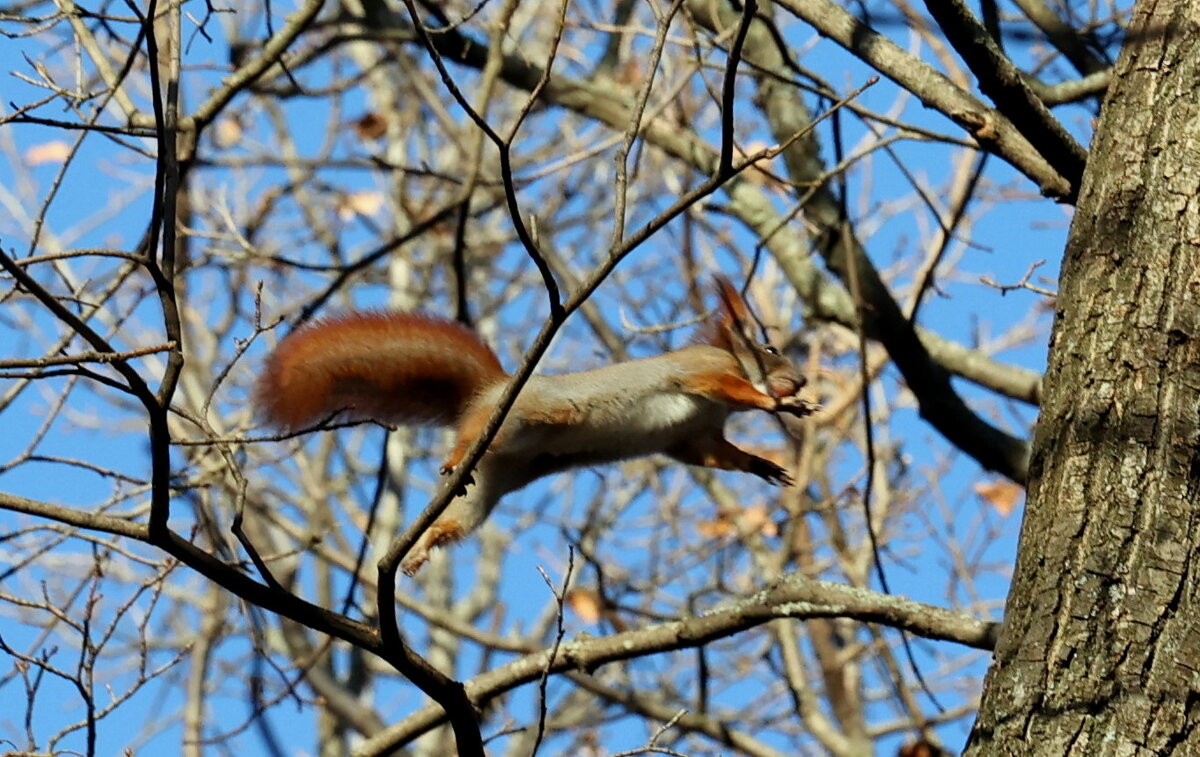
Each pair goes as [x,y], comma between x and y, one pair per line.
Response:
[991,128]
[282,603]
[1065,38]
[792,597]
[1002,81]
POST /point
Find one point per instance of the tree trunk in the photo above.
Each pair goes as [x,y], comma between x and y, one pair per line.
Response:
[1100,653]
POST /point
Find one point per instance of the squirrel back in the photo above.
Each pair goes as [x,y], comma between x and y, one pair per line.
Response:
[394,367]
[409,368]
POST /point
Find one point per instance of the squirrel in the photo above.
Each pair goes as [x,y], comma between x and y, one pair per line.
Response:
[418,369]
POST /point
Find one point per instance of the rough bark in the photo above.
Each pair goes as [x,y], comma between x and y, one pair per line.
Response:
[1100,653]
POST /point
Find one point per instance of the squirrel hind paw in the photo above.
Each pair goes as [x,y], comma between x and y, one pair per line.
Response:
[771,473]
[461,490]
[416,558]
[440,533]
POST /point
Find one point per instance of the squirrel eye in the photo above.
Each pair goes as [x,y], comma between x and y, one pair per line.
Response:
[769,349]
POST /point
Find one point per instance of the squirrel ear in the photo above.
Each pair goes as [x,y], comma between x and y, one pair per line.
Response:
[735,314]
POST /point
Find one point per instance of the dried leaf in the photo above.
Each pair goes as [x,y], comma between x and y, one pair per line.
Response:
[757,519]
[764,171]
[227,132]
[718,528]
[748,520]
[630,72]
[1001,495]
[370,126]
[921,748]
[47,152]
[366,203]
[585,603]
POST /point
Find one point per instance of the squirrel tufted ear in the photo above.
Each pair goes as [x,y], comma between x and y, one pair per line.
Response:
[735,314]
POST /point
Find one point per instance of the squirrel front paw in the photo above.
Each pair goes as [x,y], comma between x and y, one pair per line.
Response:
[794,405]
[416,558]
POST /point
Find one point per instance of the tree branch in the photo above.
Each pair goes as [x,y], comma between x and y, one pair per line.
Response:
[793,596]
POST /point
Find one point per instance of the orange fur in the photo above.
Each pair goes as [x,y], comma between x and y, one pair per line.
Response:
[400,367]
[730,321]
[728,389]
[441,532]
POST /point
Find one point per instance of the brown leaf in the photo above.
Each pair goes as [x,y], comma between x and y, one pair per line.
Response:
[585,603]
[47,152]
[630,72]
[757,519]
[370,126]
[1000,494]
[921,748]
[366,203]
[746,520]
[717,528]
[228,132]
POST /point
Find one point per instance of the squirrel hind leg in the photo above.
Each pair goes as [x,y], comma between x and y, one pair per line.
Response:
[441,531]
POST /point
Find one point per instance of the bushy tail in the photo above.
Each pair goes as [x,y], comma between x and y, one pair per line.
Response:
[393,367]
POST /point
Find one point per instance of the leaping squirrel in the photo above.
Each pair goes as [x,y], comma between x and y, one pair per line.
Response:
[417,369]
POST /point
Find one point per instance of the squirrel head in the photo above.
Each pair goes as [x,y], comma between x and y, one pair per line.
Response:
[733,328]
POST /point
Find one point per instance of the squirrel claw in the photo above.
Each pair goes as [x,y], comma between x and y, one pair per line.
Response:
[461,491]
[771,473]
[414,561]
[794,405]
